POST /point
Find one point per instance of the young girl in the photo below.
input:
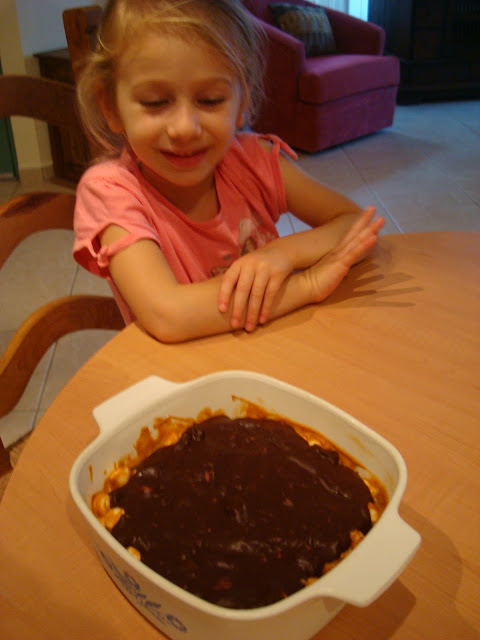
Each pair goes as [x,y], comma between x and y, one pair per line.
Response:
[180,214]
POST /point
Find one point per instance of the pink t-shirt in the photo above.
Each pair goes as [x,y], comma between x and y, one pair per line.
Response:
[251,195]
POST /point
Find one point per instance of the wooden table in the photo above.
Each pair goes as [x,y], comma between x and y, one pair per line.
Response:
[397,346]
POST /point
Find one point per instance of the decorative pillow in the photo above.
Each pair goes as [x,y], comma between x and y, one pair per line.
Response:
[308,24]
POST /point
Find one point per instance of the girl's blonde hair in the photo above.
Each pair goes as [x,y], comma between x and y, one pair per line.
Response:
[223,24]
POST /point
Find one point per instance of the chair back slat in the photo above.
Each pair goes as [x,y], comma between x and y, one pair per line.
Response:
[81,26]
[39,98]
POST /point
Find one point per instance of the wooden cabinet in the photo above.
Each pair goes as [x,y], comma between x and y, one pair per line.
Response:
[70,151]
[438,43]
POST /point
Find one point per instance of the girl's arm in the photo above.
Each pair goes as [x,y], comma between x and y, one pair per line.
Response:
[253,280]
[174,312]
[330,213]
[309,199]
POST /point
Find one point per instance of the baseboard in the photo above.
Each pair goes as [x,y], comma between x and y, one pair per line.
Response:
[34,177]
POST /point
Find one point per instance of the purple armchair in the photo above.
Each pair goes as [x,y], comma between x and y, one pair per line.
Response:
[318,102]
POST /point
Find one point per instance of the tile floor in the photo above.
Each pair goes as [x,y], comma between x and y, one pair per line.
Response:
[422,174]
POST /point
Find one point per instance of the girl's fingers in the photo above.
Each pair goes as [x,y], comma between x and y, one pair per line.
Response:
[241,297]
[360,244]
[249,288]
[227,286]
[268,299]
[246,288]
[362,223]
[361,238]
[256,300]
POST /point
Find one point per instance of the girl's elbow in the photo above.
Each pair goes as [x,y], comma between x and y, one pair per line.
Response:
[166,336]
[164,328]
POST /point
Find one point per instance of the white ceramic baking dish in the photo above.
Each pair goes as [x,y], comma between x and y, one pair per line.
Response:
[359,579]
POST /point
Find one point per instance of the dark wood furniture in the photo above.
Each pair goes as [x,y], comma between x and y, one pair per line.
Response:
[70,149]
[438,43]
[80,25]
[5,465]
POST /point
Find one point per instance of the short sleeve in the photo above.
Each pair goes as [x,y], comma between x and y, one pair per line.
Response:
[103,200]
[255,172]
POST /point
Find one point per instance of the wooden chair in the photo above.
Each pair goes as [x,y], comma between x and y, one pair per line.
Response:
[81,24]
[5,464]
[54,103]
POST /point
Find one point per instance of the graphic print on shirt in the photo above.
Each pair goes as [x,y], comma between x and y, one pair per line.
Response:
[251,236]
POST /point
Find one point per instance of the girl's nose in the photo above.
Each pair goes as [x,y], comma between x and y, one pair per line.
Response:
[184,122]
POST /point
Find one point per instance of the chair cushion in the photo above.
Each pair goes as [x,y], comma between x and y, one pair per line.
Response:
[308,24]
[332,77]
[261,8]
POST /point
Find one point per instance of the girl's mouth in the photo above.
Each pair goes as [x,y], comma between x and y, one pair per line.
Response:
[185,160]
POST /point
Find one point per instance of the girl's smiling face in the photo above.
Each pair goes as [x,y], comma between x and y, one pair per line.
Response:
[178,105]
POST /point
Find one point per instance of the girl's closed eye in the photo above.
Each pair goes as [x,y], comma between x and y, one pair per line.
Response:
[212,102]
[154,103]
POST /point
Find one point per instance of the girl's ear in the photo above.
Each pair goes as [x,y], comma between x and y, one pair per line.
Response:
[109,110]
[242,114]
[240,119]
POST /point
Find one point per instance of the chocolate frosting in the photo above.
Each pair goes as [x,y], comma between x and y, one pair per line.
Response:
[241,512]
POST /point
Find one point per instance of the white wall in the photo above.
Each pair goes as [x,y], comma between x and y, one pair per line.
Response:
[30,138]
[41,25]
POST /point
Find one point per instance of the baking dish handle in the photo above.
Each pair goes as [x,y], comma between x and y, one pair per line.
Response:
[124,406]
[361,578]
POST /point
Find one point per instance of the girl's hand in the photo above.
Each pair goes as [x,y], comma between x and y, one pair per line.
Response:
[252,282]
[325,276]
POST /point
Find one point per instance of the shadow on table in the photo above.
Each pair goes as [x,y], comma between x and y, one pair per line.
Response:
[366,285]
[438,617]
